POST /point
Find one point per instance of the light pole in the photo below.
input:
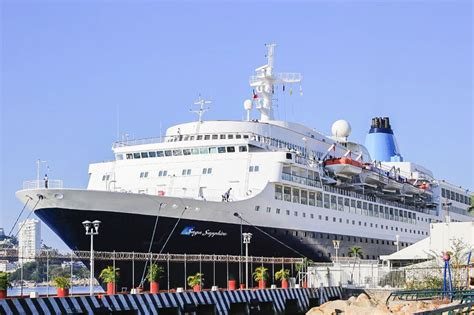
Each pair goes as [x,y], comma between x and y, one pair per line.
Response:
[247,237]
[397,242]
[92,228]
[336,244]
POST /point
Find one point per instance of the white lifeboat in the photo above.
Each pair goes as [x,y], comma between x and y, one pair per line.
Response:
[344,166]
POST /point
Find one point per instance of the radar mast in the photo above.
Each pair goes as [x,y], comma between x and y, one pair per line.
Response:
[201,102]
[264,83]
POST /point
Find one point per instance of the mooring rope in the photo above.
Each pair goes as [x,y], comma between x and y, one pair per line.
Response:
[40,197]
[21,212]
[274,238]
[142,280]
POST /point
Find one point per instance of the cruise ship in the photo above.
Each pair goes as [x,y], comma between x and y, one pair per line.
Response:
[294,188]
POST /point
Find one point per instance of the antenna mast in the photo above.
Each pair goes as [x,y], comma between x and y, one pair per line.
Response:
[264,83]
[201,102]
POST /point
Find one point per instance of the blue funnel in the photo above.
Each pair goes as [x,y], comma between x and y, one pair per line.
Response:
[381,143]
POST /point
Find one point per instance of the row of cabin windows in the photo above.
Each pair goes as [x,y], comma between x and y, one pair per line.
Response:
[265,140]
[181,152]
[347,238]
[451,195]
[329,201]
[184,172]
[347,221]
[207,137]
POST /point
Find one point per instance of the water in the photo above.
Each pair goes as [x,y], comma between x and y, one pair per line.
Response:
[51,291]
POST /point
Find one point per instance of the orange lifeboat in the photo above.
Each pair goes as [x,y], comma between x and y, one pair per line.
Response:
[344,166]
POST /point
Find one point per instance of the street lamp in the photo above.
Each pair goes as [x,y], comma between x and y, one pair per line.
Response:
[92,228]
[336,244]
[238,215]
[247,237]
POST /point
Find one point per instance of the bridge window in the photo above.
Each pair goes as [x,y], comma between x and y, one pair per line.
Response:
[296,195]
[311,200]
[326,201]
[333,202]
[340,206]
[287,193]
[136,155]
[230,149]
[304,197]
[319,199]
[278,192]
[152,154]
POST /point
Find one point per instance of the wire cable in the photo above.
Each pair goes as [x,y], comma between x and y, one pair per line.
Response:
[40,197]
[142,280]
[172,231]
[274,238]
[21,212]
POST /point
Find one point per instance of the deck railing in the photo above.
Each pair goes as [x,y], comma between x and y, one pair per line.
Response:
[41,184]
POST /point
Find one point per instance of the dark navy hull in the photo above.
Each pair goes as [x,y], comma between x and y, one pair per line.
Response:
[132,233]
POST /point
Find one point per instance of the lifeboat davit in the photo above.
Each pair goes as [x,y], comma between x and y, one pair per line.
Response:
[344,166]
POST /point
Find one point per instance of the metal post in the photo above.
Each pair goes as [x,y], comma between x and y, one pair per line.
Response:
[47,273]
[241,252]
[21,272]
[133,270]
[185,286]
[246,265]
[200,271]
[113,266]
[168,270]
[246,238]
[273,270]
[214,271]
[72,272]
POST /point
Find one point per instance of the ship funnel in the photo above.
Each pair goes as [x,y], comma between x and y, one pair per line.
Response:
[381,143]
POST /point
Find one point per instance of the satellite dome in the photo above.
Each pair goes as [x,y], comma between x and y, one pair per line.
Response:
[248,104]
[341,128]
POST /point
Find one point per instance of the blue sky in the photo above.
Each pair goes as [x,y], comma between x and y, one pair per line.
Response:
[67,66]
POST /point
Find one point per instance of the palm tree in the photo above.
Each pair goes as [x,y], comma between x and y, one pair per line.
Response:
[355,252]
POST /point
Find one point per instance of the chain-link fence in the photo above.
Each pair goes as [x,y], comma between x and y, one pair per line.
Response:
[371,274]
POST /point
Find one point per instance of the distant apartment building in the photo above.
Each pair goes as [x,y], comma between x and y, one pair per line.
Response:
[6,266]
[29,240]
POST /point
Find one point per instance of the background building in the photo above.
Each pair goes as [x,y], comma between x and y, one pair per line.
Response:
[29,240]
